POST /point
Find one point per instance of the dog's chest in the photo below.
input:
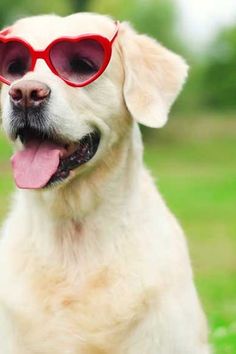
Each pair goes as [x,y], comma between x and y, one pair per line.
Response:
[66,315]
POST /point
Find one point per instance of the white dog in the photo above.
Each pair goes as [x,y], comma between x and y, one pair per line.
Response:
[91,259]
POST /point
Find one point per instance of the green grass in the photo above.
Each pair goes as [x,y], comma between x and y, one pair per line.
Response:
[193,161]
[6,184]
[194,164]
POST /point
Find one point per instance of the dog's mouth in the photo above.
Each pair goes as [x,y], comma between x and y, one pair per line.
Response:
[46,160]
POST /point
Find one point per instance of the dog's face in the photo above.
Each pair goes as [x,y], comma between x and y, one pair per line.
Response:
[60,130]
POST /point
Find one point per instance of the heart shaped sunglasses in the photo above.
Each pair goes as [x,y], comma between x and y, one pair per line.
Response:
[76,60]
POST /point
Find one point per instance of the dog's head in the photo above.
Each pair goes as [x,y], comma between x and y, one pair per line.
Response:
[74,87]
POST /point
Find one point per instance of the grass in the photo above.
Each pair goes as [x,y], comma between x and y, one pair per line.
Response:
[194,164]
[6,184]
[193,161]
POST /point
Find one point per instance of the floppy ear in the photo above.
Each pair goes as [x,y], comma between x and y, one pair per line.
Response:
[153,77]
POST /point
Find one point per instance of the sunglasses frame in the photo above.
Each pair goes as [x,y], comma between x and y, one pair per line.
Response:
[45,54]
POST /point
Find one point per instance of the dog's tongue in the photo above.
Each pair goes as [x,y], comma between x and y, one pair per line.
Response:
[34,166]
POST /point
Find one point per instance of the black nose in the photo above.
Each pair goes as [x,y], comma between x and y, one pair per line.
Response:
[29,93]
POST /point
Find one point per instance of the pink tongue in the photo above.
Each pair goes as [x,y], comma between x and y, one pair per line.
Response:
[34,166]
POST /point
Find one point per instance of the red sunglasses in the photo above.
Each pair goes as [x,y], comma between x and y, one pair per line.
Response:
[76,60]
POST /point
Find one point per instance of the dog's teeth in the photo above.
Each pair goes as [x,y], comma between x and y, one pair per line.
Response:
[84,148]
[73,158]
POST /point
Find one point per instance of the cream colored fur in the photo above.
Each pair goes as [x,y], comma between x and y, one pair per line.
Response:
[99,265]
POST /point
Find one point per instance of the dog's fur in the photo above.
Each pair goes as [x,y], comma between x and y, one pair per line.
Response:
[99,265]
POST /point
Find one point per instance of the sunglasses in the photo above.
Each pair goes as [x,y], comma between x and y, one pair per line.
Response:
[76,60]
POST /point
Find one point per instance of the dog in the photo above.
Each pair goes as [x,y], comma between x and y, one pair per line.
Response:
[91,259]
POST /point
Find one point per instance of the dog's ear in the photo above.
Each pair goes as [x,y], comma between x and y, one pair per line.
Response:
[153,77]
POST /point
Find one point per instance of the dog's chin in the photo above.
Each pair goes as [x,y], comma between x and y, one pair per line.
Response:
[72,155]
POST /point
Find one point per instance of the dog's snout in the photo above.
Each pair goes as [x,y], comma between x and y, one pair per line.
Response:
[29,93]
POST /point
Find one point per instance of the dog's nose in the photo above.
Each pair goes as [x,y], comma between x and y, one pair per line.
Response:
[29,93]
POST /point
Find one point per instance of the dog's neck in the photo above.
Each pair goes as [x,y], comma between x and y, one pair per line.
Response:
[98,196]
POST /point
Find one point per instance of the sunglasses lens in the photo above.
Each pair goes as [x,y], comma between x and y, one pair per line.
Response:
[15,60]
[77,62]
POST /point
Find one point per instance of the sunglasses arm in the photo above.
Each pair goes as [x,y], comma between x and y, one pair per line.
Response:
[116,32]
[5,32]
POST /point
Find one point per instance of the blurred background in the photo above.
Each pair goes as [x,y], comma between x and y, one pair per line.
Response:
[193,158]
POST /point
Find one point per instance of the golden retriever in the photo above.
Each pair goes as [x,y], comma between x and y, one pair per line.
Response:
[91,259]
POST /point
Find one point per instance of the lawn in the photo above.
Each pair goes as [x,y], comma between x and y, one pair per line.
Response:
[193,161]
